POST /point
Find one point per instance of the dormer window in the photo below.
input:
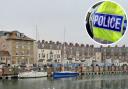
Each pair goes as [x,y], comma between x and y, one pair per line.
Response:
[18,34]
[22,35]
[7,35]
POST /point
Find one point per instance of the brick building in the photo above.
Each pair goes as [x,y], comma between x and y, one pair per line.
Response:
[20,47]
[81,52]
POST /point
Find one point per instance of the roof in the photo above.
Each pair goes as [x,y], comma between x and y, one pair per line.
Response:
[23,38]
[13,36]
[4,53]
[2,33]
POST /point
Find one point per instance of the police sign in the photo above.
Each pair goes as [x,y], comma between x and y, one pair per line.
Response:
[107,21]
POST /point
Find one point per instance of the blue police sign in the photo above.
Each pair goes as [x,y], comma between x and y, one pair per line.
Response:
[107,21]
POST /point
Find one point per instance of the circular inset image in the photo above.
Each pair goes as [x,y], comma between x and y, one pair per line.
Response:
[106,22]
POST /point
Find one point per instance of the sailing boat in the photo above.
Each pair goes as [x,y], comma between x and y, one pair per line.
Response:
[63,73]
[33,73]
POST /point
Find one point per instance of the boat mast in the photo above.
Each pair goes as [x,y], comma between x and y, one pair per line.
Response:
[64,56]
[36,45]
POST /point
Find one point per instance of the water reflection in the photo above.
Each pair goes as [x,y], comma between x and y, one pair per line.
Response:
[84,82]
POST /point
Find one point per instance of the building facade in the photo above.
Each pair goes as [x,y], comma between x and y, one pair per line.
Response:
[5,58]
[115,53]
[46,56]
[48,52]
[20,47]
[80,52]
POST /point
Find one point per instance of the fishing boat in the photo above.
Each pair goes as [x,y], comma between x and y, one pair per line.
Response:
[65,74]
[32,74]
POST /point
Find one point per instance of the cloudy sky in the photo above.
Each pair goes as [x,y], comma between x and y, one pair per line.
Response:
[51,17]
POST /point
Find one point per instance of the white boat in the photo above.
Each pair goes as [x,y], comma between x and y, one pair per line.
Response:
[32,74]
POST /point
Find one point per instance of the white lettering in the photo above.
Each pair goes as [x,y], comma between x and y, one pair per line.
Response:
[108,21]
[112,22]
[105,25]
[95,19]
[117,24]
[100,21]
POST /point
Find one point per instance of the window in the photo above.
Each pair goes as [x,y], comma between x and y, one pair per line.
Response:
[7,35]
[18,34]
[47,56]
[43,55]
[39,55]
[16,53]
[23,52]
[22,35]
[58,56]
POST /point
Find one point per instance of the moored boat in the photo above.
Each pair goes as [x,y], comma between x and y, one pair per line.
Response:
[32,74]
[65,74]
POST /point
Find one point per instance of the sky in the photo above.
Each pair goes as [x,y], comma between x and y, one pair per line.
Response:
[52,17]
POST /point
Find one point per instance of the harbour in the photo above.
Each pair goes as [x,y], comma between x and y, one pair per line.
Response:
[63,44]
[84,82]
[61,71]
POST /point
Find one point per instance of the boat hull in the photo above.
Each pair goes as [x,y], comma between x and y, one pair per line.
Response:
[65,74]
[32,74]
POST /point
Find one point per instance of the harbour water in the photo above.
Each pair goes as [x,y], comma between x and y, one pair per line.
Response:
[84,82]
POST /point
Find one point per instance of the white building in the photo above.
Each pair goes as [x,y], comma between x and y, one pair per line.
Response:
[108,62]
[116,62]
[98,56]
[88,62]
[49,56]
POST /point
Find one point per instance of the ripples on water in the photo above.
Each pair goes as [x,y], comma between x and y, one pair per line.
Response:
[84,82]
